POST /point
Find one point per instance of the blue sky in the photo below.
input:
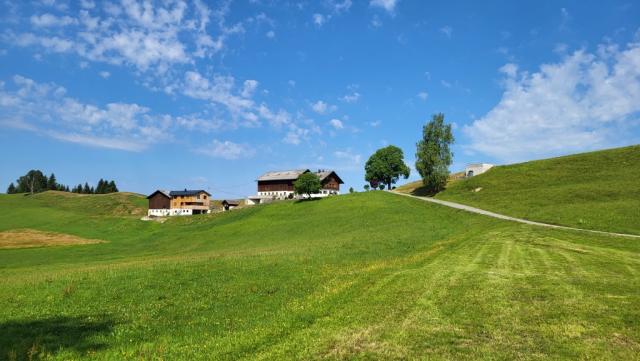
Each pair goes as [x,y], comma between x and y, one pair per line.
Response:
[202,94]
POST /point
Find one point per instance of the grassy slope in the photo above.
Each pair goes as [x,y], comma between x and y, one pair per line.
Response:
[598,190]
[368,275]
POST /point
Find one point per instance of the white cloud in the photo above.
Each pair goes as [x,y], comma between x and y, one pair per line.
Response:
[509,70]
[319,19]
[296,134]
[375,21]
[104,74]
[226,150]
[271,34]
[45,109]
[249,87]
[336,123]
[375,123]
[445,84]
[586,101]
[353,158]
[351,98]
[87,4]
[423,95]
[341,6]
[139,34]
[447,30]
[321,107]
[49,20]
[388,5]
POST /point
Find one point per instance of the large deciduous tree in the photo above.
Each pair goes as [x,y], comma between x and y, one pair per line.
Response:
[308,183]
[433,154]
[32,182]
[386,166]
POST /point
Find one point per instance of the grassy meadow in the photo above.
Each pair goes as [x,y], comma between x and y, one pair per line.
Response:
[360,276]
[598,190]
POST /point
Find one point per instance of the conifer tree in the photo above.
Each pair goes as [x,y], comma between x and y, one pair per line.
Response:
[52,184]
[112,187]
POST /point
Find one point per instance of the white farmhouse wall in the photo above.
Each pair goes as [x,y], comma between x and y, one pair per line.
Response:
[476,169]
[170,212]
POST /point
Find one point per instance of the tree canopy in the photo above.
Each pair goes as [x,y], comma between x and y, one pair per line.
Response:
[307,183]
[36,181]
[433,154]
[386,166]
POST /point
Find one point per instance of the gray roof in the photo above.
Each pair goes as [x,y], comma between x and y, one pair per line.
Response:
[282,175]
[188,192]
[324,173]
[233,202]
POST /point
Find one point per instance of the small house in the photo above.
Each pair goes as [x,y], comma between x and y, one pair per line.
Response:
[476,168]
[229,204]
[179,203]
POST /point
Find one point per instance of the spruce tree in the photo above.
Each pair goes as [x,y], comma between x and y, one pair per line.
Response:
[86,189]
[112,187]
[52,184]
[11,189]
[100,187]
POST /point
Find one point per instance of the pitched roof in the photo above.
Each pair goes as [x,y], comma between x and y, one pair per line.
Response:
[190,192]
[232,202]
[282,175]
[163,192]
[324,173]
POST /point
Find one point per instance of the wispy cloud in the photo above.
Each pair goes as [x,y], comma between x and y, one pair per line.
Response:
[46,109]
[336,123]
[586,101]
[447,31]
[226,150]
[321,107]
[388,5]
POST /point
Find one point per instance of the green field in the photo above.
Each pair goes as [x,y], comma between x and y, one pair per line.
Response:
[597,190]
[360,276]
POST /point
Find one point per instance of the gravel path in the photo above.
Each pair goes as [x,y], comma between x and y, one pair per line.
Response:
[508,218]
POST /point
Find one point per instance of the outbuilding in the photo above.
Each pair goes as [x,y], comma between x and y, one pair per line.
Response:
[229,204]
[476,168]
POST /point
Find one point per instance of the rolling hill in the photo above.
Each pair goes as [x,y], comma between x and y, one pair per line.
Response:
[597,190]
[361,276]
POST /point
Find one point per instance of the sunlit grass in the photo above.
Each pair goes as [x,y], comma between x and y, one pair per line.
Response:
[363,276]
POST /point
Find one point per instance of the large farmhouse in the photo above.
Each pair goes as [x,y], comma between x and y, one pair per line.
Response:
[178,203]
[278,185]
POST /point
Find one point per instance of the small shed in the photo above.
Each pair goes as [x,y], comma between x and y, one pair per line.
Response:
[229,204]
[476,168]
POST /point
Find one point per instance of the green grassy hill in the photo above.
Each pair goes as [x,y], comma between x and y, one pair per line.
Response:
[597,190]
[361,276]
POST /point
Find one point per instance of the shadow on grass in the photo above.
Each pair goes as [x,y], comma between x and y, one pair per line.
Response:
[304,200]
[423,192]
[35,339]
